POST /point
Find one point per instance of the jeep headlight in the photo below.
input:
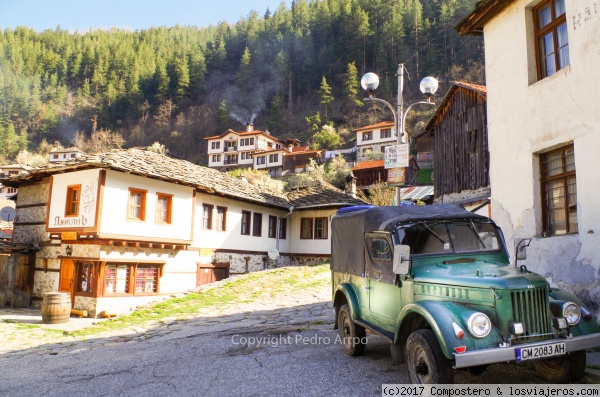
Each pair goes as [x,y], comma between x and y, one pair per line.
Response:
[571,312]
[479,325]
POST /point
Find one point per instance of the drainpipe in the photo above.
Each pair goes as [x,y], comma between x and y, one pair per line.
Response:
[278,225]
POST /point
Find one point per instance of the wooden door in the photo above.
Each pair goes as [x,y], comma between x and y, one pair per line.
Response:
[67,278]
[211,273]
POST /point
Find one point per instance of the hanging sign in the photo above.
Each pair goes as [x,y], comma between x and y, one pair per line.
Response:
[396,156]
[396,176]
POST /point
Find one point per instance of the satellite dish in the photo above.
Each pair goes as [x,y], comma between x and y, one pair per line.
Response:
[8,214]
[273,254]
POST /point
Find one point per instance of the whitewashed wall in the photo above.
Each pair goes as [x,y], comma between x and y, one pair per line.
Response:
[115,201]
[312,247]
[527,117]
[231,238]
[88,179]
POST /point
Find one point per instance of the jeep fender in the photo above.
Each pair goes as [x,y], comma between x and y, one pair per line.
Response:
[439,316]
[345,292]
[558,297]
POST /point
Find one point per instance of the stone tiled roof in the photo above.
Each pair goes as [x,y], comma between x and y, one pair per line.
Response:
[10,246]
[153,165]
[320,194]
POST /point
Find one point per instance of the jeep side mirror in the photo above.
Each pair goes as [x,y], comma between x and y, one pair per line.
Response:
[521,245]
[401,259]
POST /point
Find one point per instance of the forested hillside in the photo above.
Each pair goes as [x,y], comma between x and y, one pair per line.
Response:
[176,85]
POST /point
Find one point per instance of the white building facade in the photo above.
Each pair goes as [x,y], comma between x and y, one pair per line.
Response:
[374,138]
[121,229]
[542,59]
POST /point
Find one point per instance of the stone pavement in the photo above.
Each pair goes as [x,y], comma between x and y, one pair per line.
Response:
[22,331]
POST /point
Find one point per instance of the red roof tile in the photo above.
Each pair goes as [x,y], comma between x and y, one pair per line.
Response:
[383,124]
[364,165]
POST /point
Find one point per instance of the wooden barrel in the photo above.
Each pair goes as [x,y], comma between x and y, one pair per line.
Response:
[56,307]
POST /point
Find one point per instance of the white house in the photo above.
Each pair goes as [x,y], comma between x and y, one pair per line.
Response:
[541,62]
[7,171]
[60,155]
[123,228]
[374,138]
[234,149]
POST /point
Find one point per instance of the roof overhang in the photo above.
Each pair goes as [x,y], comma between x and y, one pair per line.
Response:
[485,10]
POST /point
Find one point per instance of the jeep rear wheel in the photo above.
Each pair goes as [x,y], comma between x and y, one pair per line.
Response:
[425,361]
[352,336]
[567,368]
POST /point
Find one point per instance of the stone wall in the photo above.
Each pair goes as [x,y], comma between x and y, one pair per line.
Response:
[31,195]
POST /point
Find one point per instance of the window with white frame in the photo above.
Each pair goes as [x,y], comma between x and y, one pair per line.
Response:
[260,160]
[215,145]
[367,136]
[387,133]
[273,158]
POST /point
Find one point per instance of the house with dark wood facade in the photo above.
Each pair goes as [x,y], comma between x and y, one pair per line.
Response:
[460,147]
[120,229]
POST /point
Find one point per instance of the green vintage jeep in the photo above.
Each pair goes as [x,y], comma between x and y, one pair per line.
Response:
[436,281]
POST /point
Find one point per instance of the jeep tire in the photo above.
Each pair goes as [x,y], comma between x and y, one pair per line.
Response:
[352,336]
[563,369]
[425,361]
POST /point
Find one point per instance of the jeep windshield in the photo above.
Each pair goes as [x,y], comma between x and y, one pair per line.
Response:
[449,237]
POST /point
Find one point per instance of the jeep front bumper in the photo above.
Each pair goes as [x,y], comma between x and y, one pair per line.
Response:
[504,354]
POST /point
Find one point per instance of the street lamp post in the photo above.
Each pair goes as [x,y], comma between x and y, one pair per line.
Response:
[428,86]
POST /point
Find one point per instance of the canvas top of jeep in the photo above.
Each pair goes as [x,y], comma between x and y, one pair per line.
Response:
[432,231]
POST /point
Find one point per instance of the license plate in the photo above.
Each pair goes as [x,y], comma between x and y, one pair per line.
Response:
[542,351]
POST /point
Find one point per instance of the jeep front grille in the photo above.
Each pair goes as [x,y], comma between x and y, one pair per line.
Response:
[530,307]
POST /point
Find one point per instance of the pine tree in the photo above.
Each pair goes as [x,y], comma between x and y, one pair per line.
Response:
[325,95]
[351,86]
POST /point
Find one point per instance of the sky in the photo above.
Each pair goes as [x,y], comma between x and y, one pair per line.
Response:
[82,15]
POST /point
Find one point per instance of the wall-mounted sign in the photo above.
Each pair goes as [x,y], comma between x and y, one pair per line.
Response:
[68,236]
[396,176]
[396,156]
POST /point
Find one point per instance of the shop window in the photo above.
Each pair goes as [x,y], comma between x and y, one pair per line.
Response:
[86,278]
[146,279]
[116,279]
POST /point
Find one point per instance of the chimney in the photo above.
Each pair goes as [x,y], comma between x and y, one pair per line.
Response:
[291,148]
[249,127]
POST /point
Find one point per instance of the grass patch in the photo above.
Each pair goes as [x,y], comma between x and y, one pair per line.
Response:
[243,289]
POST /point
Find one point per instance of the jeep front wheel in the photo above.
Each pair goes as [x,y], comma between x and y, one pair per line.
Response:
[352,336]
[563,369]
[425,361]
